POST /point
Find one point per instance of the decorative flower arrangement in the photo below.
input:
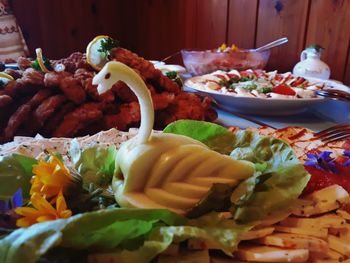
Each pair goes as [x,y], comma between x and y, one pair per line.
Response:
[47,201]
[322,161]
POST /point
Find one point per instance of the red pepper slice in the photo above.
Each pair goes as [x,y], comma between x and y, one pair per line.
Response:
[298,82]
[283,89]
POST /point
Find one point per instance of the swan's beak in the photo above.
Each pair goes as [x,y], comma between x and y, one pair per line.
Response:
[102,88]
[99,79]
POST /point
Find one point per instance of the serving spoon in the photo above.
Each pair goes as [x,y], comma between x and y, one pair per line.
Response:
[272,44]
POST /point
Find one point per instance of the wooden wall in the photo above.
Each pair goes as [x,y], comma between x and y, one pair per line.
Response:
[158,28]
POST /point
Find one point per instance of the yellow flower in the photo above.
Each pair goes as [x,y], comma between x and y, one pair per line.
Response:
[234,48]
[42,211]
[50,177]
[223,47]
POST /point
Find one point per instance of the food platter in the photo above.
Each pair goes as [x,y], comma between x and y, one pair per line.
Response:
[266,106]
[194,191]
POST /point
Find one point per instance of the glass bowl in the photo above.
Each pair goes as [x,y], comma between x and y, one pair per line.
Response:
[199,62]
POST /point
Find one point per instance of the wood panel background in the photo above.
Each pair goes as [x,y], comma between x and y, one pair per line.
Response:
[157,28]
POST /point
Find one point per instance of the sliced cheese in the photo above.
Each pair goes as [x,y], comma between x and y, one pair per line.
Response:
[324,221]
[340,245]
[331,193]
[315,231]
[274,219]
[342,232]
[295,241]
[327,255]
[257,233]
[271,254]
[343,214]
[324,261]
[324,200]
[317,208]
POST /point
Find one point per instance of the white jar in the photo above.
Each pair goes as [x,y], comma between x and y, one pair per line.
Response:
[311,65]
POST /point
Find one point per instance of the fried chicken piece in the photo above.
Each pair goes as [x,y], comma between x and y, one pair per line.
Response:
[73,90]
[83,75]
[151,88]
[47,108]
[24,63]
[53,79]
[16,74]
[185,106]
[210,113]
[76,120]
[23,113]
[32,77]
[162,100]
[53,122]
[91,90]
[39,97]
[123,92]
[75,61]
[144,68]
[189,106]
[5,100]
[17,89]
[129,113]
[7,111]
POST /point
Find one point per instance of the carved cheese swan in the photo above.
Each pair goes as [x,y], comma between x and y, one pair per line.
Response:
[164,170]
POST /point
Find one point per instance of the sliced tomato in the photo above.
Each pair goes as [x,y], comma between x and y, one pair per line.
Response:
[223,77]
[259,73]
[278,77]
[247,73]
[283,89]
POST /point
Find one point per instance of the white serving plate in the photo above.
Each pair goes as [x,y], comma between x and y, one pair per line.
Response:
[268,106]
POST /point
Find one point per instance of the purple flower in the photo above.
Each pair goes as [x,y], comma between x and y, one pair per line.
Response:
[321,161]
[16,201]
[347,154]
[8,217]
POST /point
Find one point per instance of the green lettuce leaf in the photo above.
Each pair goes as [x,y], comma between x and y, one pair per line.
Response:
[114,230]
[95,164]
[15,173]
[277,183]
[217,199]
[212,228]
[101,229]
[213,135]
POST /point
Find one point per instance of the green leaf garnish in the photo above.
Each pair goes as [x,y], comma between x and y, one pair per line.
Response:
[174,77]
[265,89]
[107,44]
[317,47]
[47,63]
